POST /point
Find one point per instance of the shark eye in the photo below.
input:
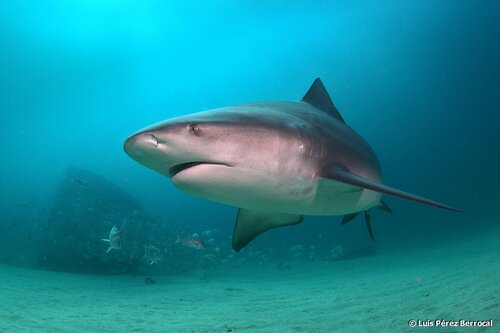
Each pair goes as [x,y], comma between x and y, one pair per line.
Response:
[194,129]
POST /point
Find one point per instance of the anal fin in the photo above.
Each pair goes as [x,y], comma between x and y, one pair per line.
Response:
[368,218]
[252,223]
[368,221]
[348,218]
[383,206]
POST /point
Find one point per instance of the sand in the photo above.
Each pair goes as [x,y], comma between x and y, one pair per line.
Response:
[381,293]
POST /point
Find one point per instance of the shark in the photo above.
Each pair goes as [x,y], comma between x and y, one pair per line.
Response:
[274,161]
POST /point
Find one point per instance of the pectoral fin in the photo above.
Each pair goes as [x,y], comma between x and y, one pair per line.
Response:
[342,175]
[251,223]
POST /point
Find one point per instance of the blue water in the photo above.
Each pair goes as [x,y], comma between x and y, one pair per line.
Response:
[418,80]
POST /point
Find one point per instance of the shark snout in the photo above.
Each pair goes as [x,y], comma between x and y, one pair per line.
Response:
[131,145]
[139,144]
[150,151]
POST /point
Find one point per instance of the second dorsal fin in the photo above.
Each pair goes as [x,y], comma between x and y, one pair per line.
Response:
[318,96]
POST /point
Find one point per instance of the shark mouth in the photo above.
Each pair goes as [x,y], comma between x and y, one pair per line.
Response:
[173,171]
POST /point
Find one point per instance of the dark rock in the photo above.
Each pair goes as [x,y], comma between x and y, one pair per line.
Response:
[85,209]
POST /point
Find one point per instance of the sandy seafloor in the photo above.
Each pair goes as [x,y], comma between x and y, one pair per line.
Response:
[454,280]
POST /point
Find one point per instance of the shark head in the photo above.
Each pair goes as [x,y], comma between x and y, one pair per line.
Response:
[232,155]
[179,148]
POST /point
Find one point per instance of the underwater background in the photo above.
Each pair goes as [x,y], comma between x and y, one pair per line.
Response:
[419,80]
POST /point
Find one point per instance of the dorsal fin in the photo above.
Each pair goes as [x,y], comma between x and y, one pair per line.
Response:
[318,96]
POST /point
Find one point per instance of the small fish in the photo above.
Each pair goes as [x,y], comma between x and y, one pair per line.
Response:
[152,254]
[207,232]
[337,252]
[115,239]
[194,242]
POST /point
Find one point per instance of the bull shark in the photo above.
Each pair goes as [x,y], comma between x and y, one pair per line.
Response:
[275,161]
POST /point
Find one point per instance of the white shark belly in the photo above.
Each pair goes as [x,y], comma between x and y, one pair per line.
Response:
[275,191]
